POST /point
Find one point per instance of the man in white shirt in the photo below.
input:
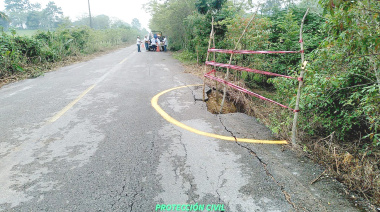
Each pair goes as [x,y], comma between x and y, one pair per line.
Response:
[165,43]
[153,43]
[146,41]
[138,42]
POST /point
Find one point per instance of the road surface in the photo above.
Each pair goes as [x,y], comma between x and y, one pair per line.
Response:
[86,138]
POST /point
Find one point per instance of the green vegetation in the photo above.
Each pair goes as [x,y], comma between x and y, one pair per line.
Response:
[28,54]
[23,15]
[342,83]
[25,32]
[33,38]
[341,94]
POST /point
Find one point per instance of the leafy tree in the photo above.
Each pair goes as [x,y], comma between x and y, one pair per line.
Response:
[51,16]
[204,6]
[144,32]
[33,7]
[136,23]
[17,10]
[101,22]
[119,24]
[4,20]
[65,22]
[349,59]
[82,21]
[271,7]
[312,4]
[33,20]
[3,16]
[169,18]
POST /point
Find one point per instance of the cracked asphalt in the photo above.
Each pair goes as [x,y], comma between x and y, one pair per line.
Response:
[111,151]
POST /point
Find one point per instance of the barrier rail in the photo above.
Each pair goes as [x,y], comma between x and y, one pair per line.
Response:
[251,52]
[245,90]
[239,68]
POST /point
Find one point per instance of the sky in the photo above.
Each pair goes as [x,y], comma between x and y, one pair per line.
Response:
[124,10]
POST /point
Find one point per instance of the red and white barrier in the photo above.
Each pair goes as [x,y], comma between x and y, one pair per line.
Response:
[239,68]
[208,75]
[250,52]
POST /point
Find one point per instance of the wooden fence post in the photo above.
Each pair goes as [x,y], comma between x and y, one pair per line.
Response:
[214,59]
[303,68]
[209,45]
[232,55]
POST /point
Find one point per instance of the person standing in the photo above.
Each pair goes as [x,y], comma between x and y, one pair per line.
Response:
[158,43]
[138,42]
[165,43]
[153,43]
[146,41]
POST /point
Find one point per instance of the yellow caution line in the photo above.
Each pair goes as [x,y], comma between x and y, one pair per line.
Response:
[65,109]
[168,118]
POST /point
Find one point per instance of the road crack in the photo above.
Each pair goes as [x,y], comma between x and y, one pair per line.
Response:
[193,94]
[133,200]
[282,187]
[185,172]
[119,195]
[217,190]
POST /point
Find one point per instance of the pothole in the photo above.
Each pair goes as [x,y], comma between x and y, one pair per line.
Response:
[214,102]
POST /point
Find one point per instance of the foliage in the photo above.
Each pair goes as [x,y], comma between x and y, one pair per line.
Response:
[19,52]
[23,13]
[3,16]
[136,23]
[205,6]
[51,16]
[33,20]
[4,21]
[344,75]
[341,92]
[16,10]
[168,19]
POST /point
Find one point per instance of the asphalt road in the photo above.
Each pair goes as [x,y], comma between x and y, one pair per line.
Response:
[86,138]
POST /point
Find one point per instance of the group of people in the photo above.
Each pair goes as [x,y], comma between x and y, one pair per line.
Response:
[155,42]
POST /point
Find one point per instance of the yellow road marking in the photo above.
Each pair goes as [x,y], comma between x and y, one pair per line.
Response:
[123,60]
[65,109]
[168,118]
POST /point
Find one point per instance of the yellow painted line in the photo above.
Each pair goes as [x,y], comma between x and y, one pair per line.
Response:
[65,109]
[168,118]
[123,60]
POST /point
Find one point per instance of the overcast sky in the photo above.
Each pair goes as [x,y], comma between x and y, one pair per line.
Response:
[125,10]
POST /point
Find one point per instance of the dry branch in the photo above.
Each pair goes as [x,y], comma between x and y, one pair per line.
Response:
[294,128]
[208,54]
[232,55]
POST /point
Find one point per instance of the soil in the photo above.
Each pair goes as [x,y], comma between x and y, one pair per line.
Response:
[214,103]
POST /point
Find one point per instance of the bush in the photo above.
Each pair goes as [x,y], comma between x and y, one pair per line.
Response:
[18,52]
